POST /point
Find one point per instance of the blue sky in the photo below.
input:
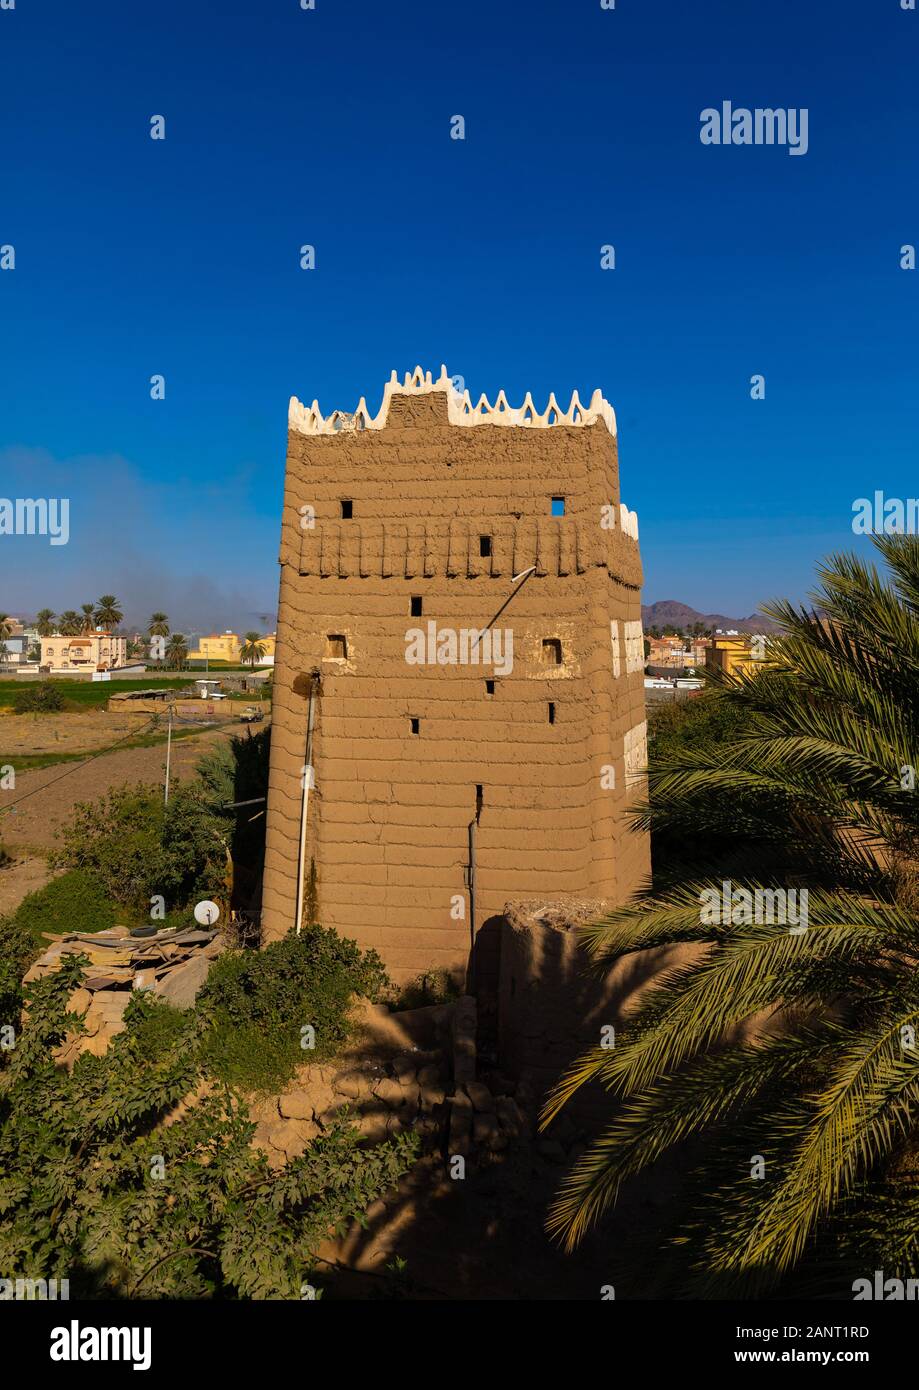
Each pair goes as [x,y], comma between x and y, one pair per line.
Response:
[332,127]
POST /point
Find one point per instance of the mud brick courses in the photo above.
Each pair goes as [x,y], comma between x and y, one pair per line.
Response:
[389,816]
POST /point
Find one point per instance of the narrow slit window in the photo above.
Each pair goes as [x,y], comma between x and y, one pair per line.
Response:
[552,651]
[484,546]
[347,509]
[336,647]
[489,687]
[416,724]
[551,711]
[417,606]
[558,506]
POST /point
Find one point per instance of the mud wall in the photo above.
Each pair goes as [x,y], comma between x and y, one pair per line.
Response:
[521,759]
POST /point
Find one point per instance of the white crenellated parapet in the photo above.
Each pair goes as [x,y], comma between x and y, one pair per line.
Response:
[628,521]
[460,410]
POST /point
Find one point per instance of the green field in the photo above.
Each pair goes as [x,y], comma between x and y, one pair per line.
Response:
[89,695]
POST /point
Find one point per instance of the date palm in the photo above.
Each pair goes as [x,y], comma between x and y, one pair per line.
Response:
[159,625]
[176,651]
[70,624]
[252,650]
[107,612]
[800,1048]
[44,622]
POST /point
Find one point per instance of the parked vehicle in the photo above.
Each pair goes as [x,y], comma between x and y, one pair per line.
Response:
[252,715]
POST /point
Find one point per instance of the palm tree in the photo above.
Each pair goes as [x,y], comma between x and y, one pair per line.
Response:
[108,615]
[89,616]
[159,625]
[44,622]
[252,649]
[176,651]
[818,790]
[70,624]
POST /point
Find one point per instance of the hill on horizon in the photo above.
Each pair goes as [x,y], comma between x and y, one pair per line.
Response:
[670,612]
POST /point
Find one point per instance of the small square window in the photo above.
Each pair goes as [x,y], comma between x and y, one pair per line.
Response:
[552,651]
[417,605]
[489,687]
[484,546]
[416,724]
[336,647]
[347,509]
[558,506]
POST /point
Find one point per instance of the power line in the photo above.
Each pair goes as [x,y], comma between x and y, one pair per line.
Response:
[73,767]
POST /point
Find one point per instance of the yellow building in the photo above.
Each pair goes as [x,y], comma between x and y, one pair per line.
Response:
[217,647]
[226,646]
[736,654]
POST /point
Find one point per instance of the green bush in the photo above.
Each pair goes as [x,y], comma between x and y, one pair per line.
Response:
[76,901]
[94,1187]
[259,1001]
[137,848]
[44,698]
[18,949]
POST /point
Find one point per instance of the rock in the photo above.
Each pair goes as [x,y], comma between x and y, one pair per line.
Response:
[296,1105]
[511,1117]
[487,1132]
[482,1099]
[356,1085]
[404,1069]
[180,987]
[431,1096]
[431,1074]
[389,1092]
[79,1001]
[460,1123]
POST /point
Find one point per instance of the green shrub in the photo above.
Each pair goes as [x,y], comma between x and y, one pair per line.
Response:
[95,1188]
[259,1002]
[76,901]
[138,848]
[44,698]
[18,948]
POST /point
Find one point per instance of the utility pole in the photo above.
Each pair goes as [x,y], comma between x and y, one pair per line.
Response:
[168,756]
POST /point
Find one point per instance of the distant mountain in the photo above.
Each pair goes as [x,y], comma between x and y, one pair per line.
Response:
[669,613]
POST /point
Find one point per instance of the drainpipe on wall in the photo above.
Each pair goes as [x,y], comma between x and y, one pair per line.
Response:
[306,778]
[470,883]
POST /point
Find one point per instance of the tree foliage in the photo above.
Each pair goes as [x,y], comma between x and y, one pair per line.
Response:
[812,789]
[97,1188]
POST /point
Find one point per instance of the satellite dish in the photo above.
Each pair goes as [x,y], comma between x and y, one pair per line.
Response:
[206,913]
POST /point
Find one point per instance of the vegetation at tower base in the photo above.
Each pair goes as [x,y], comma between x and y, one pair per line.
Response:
[96,1188]
[798,1048]
[259,1001]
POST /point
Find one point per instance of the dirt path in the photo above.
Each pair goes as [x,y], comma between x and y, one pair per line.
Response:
[33,824]
[20,878]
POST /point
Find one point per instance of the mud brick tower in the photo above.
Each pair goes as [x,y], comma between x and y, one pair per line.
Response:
[459,711]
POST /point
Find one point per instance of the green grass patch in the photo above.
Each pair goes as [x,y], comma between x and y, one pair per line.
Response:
[88,695]
[76,901]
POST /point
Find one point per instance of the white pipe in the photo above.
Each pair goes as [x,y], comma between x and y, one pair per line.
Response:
[306,778]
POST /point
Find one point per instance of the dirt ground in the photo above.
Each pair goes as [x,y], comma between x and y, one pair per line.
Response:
[50,793]
[75,732]
[23,876]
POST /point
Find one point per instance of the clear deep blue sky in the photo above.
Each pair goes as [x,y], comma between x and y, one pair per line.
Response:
[332,127]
